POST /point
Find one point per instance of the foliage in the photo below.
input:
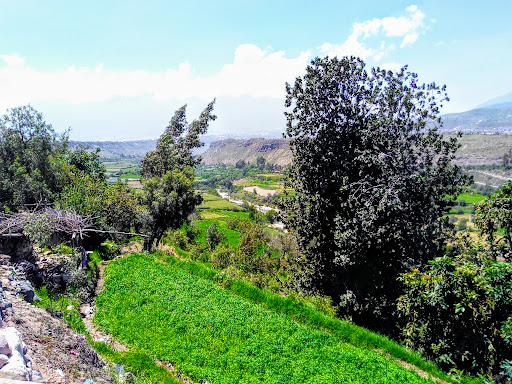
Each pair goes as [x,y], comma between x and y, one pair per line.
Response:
[29,150]
[169,200]
[211,335]
[168,194]
[372,177]
[458,309]
[214,236]
[174,148]
[495,212]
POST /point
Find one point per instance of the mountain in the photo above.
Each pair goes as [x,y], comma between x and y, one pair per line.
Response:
[493,116]
[134,149]
[499,102]
[275,151]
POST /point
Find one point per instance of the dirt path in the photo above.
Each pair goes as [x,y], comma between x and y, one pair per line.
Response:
[87,312]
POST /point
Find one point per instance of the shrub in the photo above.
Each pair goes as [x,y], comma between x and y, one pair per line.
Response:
[222,257]
[214,236]
[457,312]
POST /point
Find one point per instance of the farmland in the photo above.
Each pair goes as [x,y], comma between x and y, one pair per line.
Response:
[211,335]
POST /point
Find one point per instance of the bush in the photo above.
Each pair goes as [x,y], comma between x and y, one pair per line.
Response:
[222,257]
[214,236]
[109,250]
[457,312]
[199,252]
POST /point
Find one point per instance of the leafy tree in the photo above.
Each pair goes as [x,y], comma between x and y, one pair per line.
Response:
[260,162]
[29,150]
[373,179]
[458,311]
[495,212]
[214,236]
[507,159]
[240,164]
[168,175]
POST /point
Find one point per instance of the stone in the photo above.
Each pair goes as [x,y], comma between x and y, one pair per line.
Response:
[26,289]
[4,345]
[119,369]
[4,359]
[37,377]
[15,368]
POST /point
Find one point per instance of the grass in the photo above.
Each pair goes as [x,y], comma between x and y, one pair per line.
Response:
[307,313]
[232,236]
[470,197]
[140,364]
[212,203]
[211,334]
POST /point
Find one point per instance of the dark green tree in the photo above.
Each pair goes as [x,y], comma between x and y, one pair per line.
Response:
[493,216]
[30,170]
[373,179]
[168,175]
[260,162]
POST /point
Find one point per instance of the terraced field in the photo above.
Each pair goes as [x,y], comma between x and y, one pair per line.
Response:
[210,334]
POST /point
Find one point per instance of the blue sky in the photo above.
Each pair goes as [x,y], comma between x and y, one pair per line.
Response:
[115,70]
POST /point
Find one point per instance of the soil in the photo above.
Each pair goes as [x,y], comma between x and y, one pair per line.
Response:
[56,351]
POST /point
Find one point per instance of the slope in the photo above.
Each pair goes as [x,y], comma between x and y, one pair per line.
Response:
[210,334]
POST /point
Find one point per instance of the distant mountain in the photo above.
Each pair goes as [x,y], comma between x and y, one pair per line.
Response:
[114,150]
[134,149]
[275,151]
[499,102]
[493,116]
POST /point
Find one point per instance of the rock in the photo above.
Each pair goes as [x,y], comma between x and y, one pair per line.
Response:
[4,359]
[59,372]
[26,289]
[4,345]
[15,368]
[37,377]
[70,307]
[119,369]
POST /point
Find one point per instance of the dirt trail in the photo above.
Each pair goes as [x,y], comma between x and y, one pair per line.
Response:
[87,312]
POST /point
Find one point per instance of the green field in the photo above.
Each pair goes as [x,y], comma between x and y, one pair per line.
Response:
[211,203]
[212,335]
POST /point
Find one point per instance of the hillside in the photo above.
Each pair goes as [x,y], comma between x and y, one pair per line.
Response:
[474,150]
[275,151]
[218,335]
[110,150]
[492,116]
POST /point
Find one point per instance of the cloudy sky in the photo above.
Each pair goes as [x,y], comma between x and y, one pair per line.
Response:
[115,70]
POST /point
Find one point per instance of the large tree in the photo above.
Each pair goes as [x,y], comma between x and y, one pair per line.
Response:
[29,153]
[168,175]
[372,179]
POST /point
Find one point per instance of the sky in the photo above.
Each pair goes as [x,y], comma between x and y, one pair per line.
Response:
[117,70]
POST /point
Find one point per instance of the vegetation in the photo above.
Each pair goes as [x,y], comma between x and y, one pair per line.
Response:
[212,335]
[372,178]
[168,172]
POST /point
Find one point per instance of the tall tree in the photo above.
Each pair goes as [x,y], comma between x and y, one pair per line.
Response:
[372,177]
[168,174]
[29,148]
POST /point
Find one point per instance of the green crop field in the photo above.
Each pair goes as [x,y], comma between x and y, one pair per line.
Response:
[210,334]
[211,202]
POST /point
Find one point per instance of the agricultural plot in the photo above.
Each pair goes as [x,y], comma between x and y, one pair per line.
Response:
[210,334]
[211,203]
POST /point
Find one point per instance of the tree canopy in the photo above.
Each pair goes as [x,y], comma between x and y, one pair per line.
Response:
[168,193]
[372,177]
[29,153]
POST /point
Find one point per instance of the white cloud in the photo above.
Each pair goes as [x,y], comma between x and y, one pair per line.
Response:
[13,60]
[408,27]
[395,67]
[254,72]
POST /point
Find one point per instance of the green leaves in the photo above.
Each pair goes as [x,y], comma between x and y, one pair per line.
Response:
[371,175]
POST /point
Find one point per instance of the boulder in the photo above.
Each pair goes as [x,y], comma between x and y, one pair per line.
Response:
[4,359]
[26,289]
[15,368]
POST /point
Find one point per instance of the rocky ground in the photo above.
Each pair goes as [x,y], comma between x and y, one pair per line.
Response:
[52,352]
